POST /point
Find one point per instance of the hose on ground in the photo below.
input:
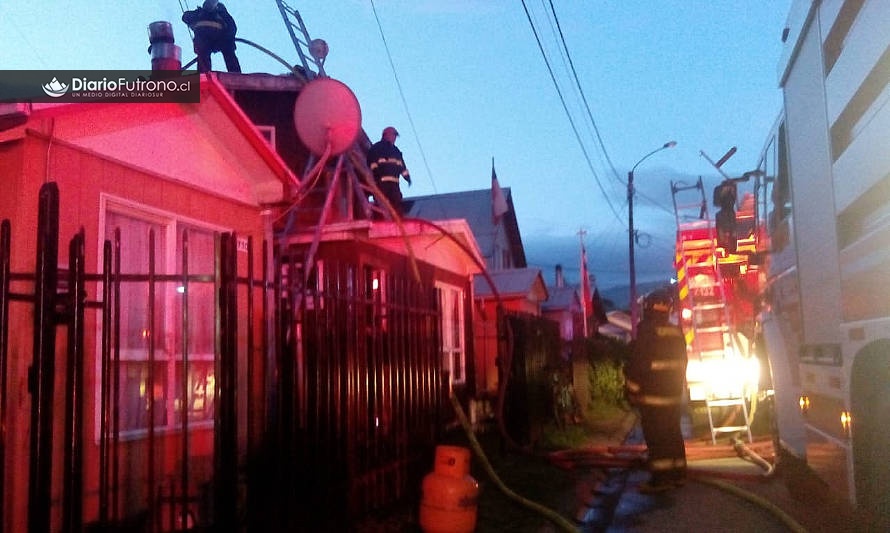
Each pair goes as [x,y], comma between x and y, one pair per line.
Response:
[750,455]
[784,517]
[551,515]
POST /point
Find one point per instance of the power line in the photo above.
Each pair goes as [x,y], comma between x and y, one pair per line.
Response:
[569,116]
[581,92]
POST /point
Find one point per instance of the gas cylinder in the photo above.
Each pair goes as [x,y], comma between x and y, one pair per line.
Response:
[449,493]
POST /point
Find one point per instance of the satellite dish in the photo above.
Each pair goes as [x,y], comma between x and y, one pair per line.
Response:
[327,112]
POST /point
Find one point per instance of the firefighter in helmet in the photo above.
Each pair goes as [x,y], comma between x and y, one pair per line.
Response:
[214,30]
[388,167]
[655,377]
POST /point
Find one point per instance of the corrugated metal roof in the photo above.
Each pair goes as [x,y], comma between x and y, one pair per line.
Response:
[475,208]
[511,282]
[562,298]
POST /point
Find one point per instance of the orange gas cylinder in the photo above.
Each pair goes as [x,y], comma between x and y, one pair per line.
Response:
[449,493]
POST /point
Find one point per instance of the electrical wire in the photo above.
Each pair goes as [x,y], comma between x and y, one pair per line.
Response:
[586,106]
[581,92]
[395,75]
[569,116]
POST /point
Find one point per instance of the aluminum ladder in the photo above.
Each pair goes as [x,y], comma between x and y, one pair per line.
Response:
[710,332]
[303,44]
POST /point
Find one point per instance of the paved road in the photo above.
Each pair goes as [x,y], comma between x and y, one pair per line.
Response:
[723,494]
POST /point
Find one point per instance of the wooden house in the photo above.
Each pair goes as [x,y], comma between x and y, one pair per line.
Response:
[105,423]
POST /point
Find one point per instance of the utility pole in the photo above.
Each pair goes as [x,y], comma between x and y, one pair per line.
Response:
[585,283]
[631,238]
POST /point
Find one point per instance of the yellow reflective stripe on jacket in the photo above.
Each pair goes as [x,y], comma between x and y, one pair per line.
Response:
[667,463]
[384,160]
[208,24]
[668,331]
[631,385]
[659,401]
[668,364]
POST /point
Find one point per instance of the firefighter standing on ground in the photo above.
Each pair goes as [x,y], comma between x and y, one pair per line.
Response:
[655,380]
[387,166]
[214,30]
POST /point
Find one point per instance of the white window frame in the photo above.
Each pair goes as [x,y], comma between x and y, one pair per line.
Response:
[454,345]
[268,132]
[172,224]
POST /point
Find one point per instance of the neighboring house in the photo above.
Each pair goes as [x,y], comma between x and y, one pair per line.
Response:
[521,290]
[564,307]
[171,180]
[519,335]
[500,242]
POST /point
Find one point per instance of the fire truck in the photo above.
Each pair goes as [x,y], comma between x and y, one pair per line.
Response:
[824,200]
[718,281]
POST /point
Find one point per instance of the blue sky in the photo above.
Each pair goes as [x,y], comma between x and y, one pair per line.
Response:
[470,84]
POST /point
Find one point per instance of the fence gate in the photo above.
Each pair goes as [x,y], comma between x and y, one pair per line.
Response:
[535,356]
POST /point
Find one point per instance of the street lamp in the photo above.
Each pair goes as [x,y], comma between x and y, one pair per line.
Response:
[631,237]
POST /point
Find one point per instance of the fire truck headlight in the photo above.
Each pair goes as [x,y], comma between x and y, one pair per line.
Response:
[730,376]
[804,402]
[846,421]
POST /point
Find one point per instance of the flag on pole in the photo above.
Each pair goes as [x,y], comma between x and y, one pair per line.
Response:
[498,200]
[586,293]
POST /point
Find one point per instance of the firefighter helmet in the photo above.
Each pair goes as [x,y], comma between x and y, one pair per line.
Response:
[389,130]
[659,302]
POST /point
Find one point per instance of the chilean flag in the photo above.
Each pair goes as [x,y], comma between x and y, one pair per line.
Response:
[498,200]
[586,292]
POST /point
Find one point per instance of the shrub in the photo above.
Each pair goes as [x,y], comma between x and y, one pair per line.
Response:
[606,375]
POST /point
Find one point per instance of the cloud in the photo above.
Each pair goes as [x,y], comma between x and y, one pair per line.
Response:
[606,239]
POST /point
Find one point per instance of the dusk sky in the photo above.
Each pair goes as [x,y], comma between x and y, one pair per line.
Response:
[464,81]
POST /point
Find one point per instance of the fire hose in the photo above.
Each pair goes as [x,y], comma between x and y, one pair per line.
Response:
[633,456]
[551,515]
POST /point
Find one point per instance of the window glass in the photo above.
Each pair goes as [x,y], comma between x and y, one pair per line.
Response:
[453,341]
[155,391]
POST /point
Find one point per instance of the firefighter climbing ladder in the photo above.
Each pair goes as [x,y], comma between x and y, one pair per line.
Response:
[702,291]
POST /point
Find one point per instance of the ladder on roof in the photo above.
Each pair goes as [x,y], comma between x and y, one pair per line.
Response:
[708,332]
[300,37]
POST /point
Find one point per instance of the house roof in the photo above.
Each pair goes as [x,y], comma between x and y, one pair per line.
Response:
[210,145]
[511,282]
[458,254]
[564,297]
[475,208]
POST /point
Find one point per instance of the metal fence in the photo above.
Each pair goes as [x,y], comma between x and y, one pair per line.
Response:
[535,359]
[331,389]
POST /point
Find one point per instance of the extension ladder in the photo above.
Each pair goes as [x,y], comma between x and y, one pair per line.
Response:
[708,330]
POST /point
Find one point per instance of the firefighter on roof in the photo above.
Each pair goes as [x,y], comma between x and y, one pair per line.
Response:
[214,30]
[387,166]
[655,378]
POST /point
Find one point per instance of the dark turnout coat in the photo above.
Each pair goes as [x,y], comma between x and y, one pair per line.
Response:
[656,371]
